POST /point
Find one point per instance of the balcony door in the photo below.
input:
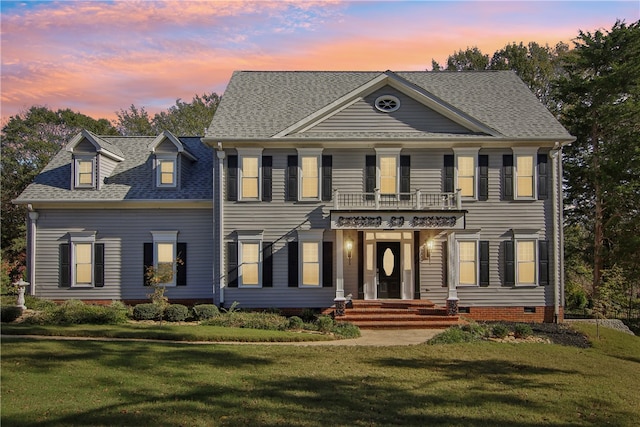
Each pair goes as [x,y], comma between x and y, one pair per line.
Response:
[388,269]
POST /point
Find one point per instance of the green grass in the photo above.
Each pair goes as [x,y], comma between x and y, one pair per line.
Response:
[62,383]
[165,332]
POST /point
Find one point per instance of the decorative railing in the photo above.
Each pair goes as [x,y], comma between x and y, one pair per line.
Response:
[400,201]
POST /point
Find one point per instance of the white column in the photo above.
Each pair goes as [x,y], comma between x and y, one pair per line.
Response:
[339,264]
[222,275]
[33,227]
[452,264]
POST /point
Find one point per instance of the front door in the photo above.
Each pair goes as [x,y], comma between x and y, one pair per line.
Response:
[388,265]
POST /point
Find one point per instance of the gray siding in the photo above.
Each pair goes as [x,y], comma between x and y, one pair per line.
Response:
[105,168]
[123,233]
[410,117]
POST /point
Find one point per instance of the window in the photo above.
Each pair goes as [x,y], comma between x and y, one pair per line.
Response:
[85,173]
[166,170]
[165,259]
[250,174]
[524,176]
[467,255]
[388,174]
[387,103]
[250,263]
[309,177]
[526,259]
[466,171]
[526,262]
[81,261]
[310,264]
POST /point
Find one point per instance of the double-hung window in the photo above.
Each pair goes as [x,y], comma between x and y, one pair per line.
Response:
[468,261]
[249,173]
[526,259]
[166,172]
[85,172]
[309,162]
[525,262]
[466,172]
[525,173]
[82,261]
[250,258]
[310,247]
[165,257]
[388,162]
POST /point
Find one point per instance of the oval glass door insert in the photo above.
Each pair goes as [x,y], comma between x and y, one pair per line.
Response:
[388,262]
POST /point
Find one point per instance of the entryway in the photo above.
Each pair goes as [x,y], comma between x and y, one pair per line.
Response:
[388,269]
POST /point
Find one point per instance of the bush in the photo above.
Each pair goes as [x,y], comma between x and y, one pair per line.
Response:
[76,312]
[147,311]
[346,330]
[478,330]
[205,311]
[522,330]
[295,323]
[453,335]
[325,323]
[308,315]
[238,319]
[176,313]
[38,304]
[9,313]
[499,330]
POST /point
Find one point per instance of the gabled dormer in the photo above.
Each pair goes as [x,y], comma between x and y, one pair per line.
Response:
[171,161]
[92,160]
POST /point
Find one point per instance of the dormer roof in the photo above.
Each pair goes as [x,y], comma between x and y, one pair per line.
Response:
[101,146]
[168,136]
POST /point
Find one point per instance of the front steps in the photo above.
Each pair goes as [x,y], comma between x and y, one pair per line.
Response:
[398,314]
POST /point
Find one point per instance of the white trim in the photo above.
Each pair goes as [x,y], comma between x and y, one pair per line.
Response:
[467,152]
[526,236]
[166,237]
[309,152]
[76,170]
[467,236]
[249,153]
[75,238]
[160,158]
[387,99]
[525,152]
[388,152]
[309,236]
[249,237]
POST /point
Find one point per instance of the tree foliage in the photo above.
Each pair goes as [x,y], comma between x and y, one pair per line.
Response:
[181,119]
[600,105]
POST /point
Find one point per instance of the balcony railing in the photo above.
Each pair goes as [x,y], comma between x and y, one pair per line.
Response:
[401,201]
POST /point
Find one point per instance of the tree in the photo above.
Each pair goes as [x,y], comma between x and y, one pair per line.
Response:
[29,140]
[468,60]
[600,95]
[181,119]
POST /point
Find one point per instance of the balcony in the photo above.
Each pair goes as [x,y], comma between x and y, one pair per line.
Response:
[401,201]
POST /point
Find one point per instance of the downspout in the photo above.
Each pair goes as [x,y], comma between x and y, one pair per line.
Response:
[33,227]
[557,230]
[222,278]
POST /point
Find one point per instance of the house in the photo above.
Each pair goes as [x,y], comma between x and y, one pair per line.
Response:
[431,186]
[310,188]
[106,208]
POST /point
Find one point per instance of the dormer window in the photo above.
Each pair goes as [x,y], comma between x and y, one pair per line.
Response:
[85,172]
[166,172]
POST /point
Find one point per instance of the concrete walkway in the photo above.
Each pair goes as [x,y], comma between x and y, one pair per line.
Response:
[369,337]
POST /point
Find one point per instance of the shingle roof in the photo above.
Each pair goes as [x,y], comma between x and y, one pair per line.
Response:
[132,179]
[260,104]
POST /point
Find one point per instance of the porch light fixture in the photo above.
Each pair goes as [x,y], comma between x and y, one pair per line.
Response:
[429,248]
[349,248]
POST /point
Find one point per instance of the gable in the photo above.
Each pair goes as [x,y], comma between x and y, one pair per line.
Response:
[411,116]
[85,147]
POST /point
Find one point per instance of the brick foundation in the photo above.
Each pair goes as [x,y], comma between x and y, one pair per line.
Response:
[539,314]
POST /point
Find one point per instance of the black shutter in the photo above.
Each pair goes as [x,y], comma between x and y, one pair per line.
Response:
[543,180]
[483,177]
[543,262]
[448,173]
[267,264]
[370,176]
[507,177]
[181,268]
[360,264]
[293,264]
[147,259]
[232,178]
[232,264]
[484,263]
[65,265]
[509,263]
[267,178]
[327,178]
[292,178]
[98,265]
[327,264]
[405,177]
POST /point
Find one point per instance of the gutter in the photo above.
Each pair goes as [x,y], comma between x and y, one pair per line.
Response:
[33,228]
[222,278]
[558,232]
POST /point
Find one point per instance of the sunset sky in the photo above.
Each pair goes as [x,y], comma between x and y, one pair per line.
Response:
[97,57]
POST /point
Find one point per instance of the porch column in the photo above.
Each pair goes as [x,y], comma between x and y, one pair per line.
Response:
[339,264]
[32,242]
[452,275]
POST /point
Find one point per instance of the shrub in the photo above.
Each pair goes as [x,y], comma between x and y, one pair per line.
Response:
[76,312]
[325,323]
[522,330]
[205,311]
[499,330]
[38,304]
[308,315]
[346,330]
[295,323]
[147,311]
[240,319]
[477,330]
[9,313]
[176,313]
[453,335]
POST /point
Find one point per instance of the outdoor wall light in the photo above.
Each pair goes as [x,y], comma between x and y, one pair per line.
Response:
[349,248]
[429,248]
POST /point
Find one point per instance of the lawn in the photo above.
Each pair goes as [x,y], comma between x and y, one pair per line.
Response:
[61,383]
